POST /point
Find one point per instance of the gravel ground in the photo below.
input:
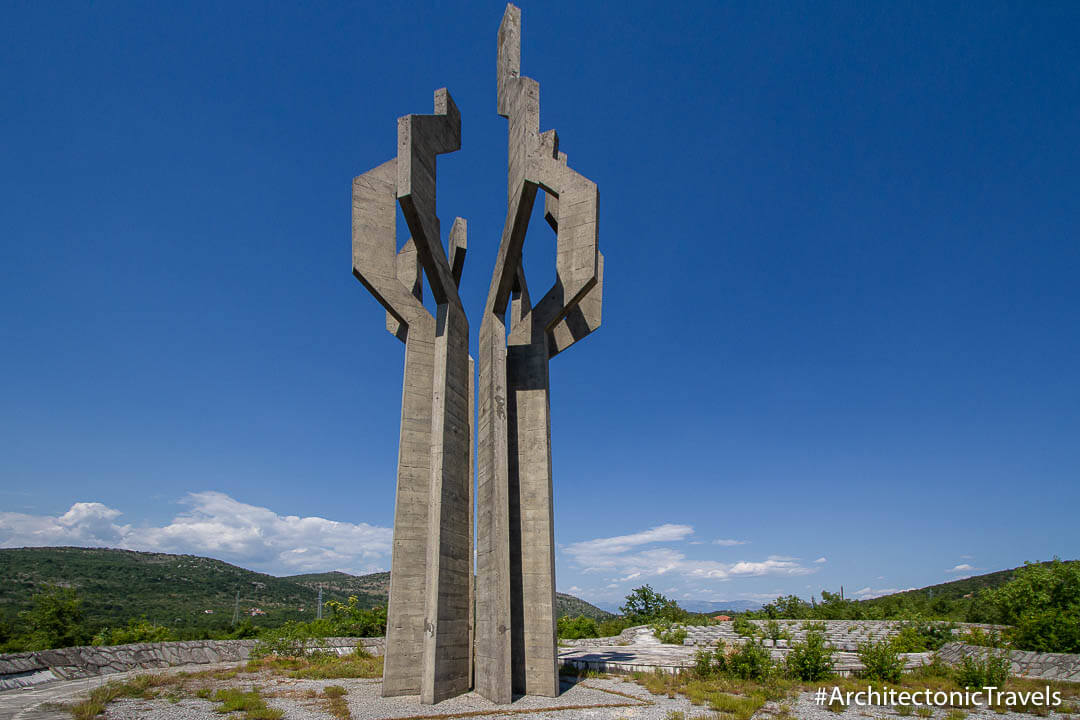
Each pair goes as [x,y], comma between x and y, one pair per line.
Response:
[600,698]
[593,699]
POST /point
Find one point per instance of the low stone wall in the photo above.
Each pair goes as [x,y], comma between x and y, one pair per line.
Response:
[1041,666]
[30,668]
[626,637]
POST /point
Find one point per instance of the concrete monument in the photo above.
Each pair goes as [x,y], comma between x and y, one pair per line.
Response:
[430,638]
[515,597]
[429,617]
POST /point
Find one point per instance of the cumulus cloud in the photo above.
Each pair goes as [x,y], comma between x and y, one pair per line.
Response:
[773,565]
[729,543]
[219,526]
[868,592]
[963,567]
[85,524]
[820,559]
[623,555]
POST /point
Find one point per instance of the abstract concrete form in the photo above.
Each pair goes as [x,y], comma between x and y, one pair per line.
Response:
[429,617]
[515,596]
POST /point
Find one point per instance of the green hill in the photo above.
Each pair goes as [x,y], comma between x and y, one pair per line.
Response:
[955,600]
[572,606]
[178,590]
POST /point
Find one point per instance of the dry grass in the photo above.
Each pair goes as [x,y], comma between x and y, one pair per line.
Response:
[936,678]
[320,667]
[205,684]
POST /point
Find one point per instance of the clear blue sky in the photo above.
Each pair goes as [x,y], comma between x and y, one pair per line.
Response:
[841,300]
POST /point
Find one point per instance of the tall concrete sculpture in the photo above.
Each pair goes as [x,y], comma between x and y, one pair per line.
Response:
[515,597]
[429,617]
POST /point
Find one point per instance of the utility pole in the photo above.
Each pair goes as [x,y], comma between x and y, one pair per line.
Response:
[318,607]
[236,610]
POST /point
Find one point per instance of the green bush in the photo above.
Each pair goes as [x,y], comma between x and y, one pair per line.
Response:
[922,635]
[709,663]
[609,628]
[644,606]
[811,659]
[351,620]
[1042,603]
[744,627]
[882,661]
[774,632]
[982,638]
[990,670]
[788,607]
[579,627]
[668,632]
[137,631]
[289,640]
[703,663]
[750,661]
[54,621]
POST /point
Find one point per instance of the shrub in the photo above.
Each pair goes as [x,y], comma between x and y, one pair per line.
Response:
[1042,603]
[990,670]
[810,659]
[750,661]
[709,663]
[54,621]
[774,632]
[982,638]
[922,635]
[608,628]
[579,627]
[289,640]
[744,627]
[668,632]
[645,605]
[788,607]
[351,620]
[137,631]
[882,661]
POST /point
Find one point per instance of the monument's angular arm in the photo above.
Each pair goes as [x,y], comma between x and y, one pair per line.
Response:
[420,139]
[385,273]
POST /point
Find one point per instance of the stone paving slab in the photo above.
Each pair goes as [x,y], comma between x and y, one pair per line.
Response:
[26,703]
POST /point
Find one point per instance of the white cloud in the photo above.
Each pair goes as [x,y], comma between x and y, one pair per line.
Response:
[821,560]
[604,553]
[730,543]
[963,567]
[774,565]
[868,592]
[215,525]
[622,555]
[86,524]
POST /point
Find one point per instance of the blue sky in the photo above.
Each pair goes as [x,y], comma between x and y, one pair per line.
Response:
[841,291]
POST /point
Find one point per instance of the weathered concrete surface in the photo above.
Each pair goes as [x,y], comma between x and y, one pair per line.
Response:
[44,702]
[673,658]
[429,615]
[30,668]
[1041,666]
[843,635]
[515,621]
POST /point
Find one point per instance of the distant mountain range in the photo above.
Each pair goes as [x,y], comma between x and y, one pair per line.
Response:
[188,590]
[701,606]
[193,591]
